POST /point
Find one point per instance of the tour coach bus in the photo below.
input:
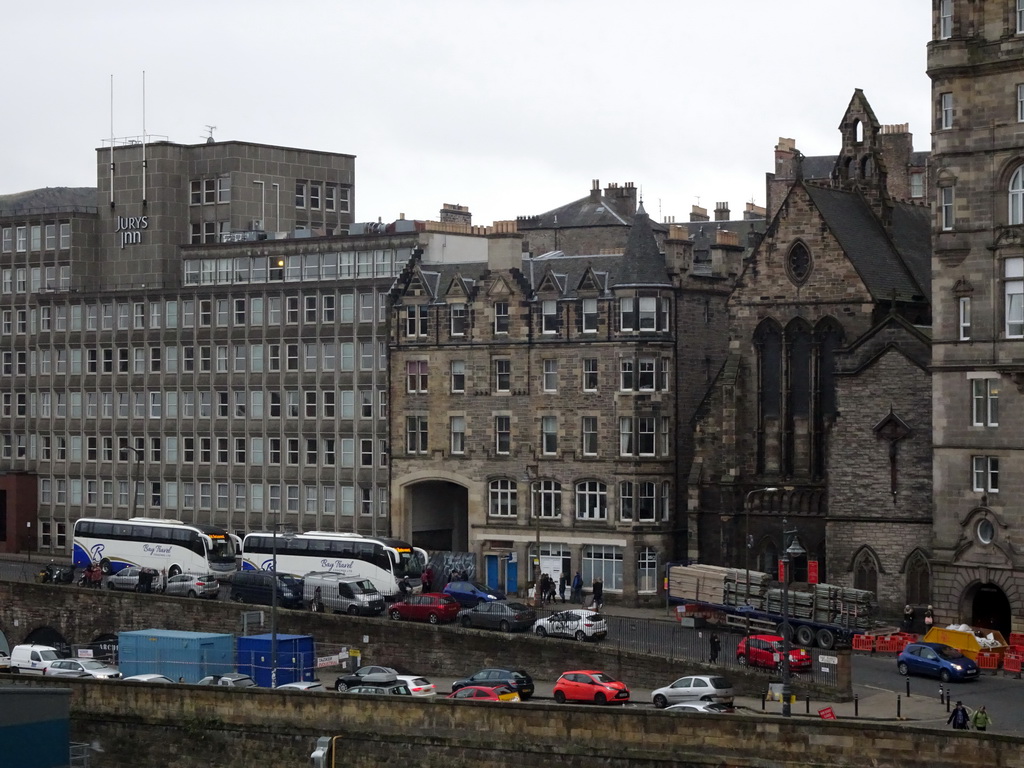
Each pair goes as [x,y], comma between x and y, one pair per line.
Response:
[384,561]
[168,546]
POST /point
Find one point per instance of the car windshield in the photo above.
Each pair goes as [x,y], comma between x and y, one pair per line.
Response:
[289,580]
[947,652]
[719,682]
[409,565]
[776,645]
[364,585]
[92,665]
[517,607]
[601,677]
[244,682]
[222,549]
[48,655]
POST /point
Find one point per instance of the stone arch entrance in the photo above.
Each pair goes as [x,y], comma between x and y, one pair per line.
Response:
[986,605]
[438,515]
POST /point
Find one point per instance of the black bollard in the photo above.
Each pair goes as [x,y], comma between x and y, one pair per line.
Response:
[908,686]
[947,700]
[764,698]
[899,707]
[942,694]
[808,700]
[856,705]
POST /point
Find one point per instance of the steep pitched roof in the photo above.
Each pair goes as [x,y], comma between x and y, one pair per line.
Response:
[882,260]
[590,211]
[642,261]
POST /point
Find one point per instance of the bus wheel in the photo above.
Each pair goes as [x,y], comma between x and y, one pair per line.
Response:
[173,570]
[105,567]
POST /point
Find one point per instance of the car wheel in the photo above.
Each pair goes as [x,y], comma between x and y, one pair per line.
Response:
[192,593]
[581,636]
[600,698]
[396,616]
[105,567]
[432,618]
[467,622]
[903,668]
[660,701]
[560,697]
[741,659]
[944,675]
[110,585]
[340,686]
[352,610]
[173,571]
[504,626]
[541,632]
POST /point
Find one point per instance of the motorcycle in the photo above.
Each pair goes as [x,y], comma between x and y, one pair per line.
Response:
[91,577]
[56,574]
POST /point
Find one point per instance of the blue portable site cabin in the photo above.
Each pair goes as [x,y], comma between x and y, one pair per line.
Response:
[178,655]
[296,658]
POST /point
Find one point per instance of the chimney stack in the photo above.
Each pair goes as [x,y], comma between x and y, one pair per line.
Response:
[455,214]
[721,211]
[699,214]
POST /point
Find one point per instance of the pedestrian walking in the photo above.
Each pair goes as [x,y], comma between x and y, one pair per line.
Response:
[981,720]
[908,618]
[598,594]
[427,579]
[551,588]
[929,618]
[715,647]
[562,584]
[958,718]
[577,588]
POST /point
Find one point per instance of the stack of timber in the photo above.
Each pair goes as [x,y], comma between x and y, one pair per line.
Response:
[722,586]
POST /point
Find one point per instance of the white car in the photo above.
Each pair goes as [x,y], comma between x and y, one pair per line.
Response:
[418,686]
[149,678]
[82,668]
[578,623]
[302,685]
[703,689]
[5,661]
[708,707]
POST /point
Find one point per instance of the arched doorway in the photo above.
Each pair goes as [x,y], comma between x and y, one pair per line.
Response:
[439,515]
[988,607]
[49,636]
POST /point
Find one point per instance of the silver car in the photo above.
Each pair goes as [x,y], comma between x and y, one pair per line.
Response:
[706,688]
[128,579]
[82,668]
[193,585]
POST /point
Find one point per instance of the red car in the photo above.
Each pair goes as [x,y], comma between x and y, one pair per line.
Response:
[482,693]
[590,685]
[765,651]
[433,607]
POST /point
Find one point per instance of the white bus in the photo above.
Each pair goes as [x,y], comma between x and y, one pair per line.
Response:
[169,546]
[384,561]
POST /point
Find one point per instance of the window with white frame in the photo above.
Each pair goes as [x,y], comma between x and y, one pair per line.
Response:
[985,472]
[946,199]
[648,313]
[550,378]
[549,316]
[502,498]
[416,316]
[985,402]
[416,375]
[459,319]
[1013,286]
[945,111]
[645,426]
[590,374]
[625,435]
[604,562]
[549,435]
[945,19]
[588,430]
[648,367]
[547,499]
[502,434]
[458,429]
[627,368]
[964,305]
[416,434]
[1020,101]
[647,570]
[502,375]
[589,310]
[1015,214]
[1020,17]
[627,318]
[591,500]
[501,317]
[917,185]
[458,376]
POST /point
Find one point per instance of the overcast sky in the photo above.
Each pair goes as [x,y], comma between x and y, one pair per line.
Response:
[509,107]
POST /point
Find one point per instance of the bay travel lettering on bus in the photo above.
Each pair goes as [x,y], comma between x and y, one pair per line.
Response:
[130,229]
[156,550]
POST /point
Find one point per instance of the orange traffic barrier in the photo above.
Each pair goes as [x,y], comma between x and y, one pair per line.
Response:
[1012,663]
[889,644]
[1016,638]
[988,660]
[863,643]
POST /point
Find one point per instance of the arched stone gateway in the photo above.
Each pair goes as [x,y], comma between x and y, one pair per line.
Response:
[438,515]
[986,606]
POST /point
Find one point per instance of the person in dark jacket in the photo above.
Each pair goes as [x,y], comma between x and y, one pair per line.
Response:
[562,584]
[958,717]
[597,599]
[577,588]
[715,647]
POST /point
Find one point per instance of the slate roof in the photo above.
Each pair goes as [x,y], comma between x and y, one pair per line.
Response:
[585,212]
[48,198]
[890,268]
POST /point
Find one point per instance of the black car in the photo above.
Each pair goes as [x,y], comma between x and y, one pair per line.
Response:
[518,680]
[350,679]
[499,614]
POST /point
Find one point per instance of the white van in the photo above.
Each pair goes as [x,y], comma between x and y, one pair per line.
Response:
[33,659]
[334,593]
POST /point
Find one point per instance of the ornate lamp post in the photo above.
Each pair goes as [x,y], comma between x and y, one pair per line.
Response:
[748,542]
[793,551]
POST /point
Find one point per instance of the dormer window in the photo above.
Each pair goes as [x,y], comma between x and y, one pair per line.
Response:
[549,316]
[648,313]
[459,319]
[590,315]
[501,317]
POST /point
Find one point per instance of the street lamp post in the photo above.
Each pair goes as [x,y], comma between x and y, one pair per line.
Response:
[536,516]
[794,550]
[747,541]
[133,474]
[273,605]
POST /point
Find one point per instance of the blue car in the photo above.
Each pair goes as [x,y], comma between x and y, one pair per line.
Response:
[936,660]
[470,593]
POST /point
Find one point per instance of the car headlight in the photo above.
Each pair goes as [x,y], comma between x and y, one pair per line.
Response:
[957,667]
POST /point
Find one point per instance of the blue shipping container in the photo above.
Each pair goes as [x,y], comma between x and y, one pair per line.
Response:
[178,655]
[296,658]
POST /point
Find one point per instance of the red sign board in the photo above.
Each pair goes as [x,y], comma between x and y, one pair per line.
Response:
[827,713]
[782,571]
[812,571]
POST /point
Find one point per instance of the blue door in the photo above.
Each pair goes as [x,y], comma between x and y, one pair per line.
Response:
[491,565]
[511,576]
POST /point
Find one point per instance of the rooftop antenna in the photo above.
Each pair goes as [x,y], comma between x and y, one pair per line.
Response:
[209,136]
[111,141]
[143,138]
[697,198]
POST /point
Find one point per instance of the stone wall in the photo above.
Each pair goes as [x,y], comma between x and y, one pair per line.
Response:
[152,725]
